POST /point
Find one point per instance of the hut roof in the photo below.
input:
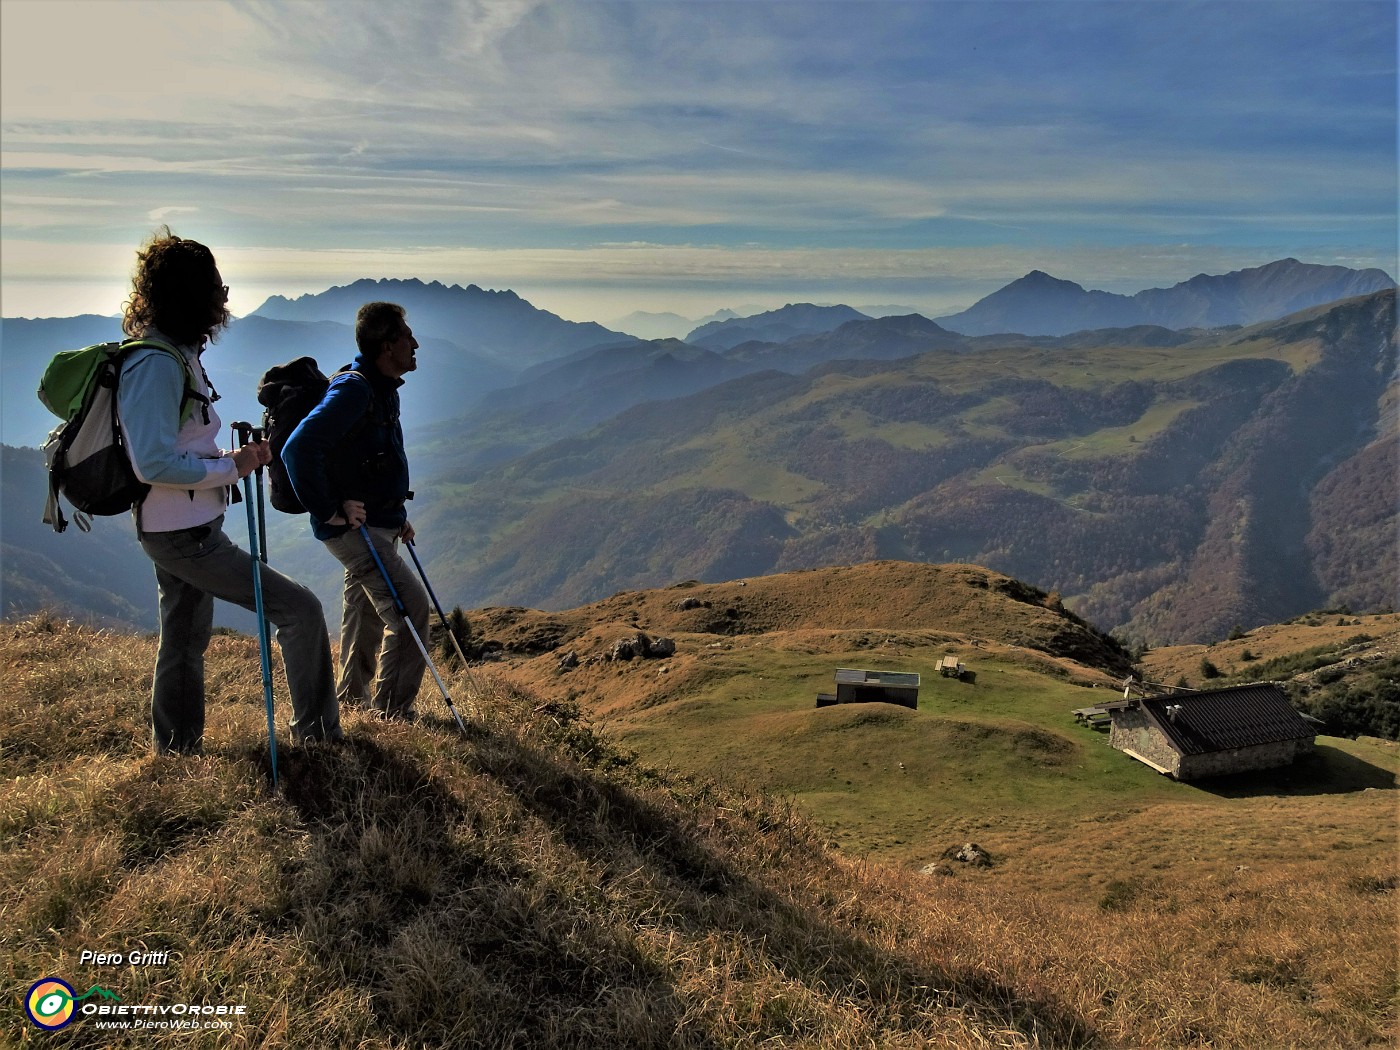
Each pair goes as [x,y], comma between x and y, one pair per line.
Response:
[1224,719]
[850,676]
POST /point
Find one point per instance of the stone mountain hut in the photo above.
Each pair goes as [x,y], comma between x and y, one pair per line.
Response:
[1211,733]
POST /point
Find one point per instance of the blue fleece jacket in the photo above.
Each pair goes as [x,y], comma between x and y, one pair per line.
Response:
[350,446]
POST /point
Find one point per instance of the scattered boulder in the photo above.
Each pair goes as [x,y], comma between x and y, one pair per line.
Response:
[626,649]
[937,868]
[969,853]
[639,647]
[691,603]
[568,661]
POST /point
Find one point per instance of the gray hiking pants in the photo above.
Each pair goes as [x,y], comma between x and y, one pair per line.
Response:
[195,566]
[380,664]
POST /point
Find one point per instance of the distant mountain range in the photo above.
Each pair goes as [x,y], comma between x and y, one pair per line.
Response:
[496,325]
[1038,304]
[1165,481]
[646,325]
[244,351]
[1168,488]
[774,326]
[100,576]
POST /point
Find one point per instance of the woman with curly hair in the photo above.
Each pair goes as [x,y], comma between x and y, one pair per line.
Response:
[172,436]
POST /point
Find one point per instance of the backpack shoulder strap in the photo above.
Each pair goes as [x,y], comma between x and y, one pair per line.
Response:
[373,396]
[353,372]
[191,396]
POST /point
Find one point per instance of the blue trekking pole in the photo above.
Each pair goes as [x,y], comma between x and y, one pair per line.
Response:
[262,518]
[243,433]
[408,622]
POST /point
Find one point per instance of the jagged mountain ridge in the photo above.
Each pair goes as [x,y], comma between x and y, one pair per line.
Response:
[235,361]
[497,324]
[1039,304]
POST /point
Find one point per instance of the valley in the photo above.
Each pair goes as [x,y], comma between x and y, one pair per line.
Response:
[1156,487]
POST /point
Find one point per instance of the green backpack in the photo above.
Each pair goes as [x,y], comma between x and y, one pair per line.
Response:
[85,454]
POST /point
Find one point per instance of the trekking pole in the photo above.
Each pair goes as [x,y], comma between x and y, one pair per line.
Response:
[242,433]
[466,664]
[412,550]
[262,517]
[408,622]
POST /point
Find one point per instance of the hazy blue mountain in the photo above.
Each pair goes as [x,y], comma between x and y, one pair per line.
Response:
[868,339]
[774,326]
[26,344]
[100,576]
[646,325]
[728,314]
[888,310]
[449,377]
[556,399]
[82,330]
[1259,294]
[1038,304]
[499,326]
[600,366]
[552,401]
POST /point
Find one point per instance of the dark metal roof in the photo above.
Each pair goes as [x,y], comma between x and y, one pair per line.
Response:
[899,679]
[1225,719]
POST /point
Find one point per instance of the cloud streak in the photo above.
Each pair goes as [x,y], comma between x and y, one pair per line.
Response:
[1031,129]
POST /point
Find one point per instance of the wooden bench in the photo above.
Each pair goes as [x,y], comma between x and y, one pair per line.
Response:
[1093,717]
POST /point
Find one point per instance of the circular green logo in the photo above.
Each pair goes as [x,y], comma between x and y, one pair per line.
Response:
[49,1003]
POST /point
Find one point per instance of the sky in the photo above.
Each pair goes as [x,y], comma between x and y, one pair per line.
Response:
[600,157]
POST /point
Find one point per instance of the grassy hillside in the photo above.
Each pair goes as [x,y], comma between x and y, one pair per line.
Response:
[1339,668]
[737,698]
[531,886]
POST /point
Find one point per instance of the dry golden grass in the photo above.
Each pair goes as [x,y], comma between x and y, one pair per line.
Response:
[1171,663]
[528,886]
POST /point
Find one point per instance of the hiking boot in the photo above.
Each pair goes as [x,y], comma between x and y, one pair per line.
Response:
[312,743]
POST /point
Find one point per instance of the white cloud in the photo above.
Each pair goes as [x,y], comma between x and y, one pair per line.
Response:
[163,214]
[538,130]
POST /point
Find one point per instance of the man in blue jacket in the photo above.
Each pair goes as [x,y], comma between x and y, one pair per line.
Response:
[346,461]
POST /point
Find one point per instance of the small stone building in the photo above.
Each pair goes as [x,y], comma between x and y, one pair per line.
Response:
[1207,734]
[863,687]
